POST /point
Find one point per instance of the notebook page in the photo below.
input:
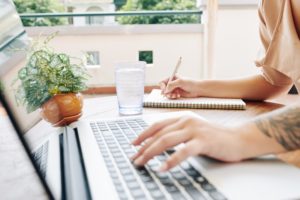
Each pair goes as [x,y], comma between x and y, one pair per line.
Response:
[156,99]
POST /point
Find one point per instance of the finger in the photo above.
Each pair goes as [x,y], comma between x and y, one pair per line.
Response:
[173,96]
[173,85]
[169,96]
[161,144]
[191,148]
[152,130]
[165,81]
[175,77]
[177,125]
[171,128]
[177,93]
[162,86]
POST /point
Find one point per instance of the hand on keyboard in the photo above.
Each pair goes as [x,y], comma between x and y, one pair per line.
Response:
[200,138]
[144,182]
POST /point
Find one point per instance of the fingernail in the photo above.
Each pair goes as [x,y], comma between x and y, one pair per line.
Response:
[163,168]
[136,142]
[134,157]
[139,160]
[166,90]
[133,142]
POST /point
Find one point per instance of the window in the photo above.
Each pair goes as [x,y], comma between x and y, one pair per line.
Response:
[93,58]
[146,56]
[94,19]
[70,19]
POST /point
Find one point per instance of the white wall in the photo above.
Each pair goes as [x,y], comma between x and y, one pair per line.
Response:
[237,42]
[237,38]
[119,43]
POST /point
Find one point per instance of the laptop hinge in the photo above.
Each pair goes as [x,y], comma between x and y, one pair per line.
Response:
[76,185]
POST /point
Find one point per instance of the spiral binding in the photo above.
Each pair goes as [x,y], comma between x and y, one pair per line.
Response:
[194,105]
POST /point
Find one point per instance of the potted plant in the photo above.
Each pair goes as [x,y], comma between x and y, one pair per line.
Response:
[52,82]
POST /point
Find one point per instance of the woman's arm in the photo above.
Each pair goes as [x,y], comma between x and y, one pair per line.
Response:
[283,126]
[276,132]
[251,88]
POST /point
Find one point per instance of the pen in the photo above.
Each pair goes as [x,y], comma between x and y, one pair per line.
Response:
[174,72]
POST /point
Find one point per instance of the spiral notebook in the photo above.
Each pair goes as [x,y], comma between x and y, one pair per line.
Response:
[156,100]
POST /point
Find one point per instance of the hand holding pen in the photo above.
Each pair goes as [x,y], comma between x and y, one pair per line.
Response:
[165,83]
[174,73]
[175,87]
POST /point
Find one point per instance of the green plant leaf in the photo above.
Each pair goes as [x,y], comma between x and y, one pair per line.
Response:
[46,74]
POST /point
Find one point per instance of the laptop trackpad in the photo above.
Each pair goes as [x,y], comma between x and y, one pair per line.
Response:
[261,178]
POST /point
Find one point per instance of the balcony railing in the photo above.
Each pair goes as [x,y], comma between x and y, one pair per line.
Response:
[129,13]
[89,15]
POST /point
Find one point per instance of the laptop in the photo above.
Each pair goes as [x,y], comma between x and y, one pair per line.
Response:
[107,173]
[90,158]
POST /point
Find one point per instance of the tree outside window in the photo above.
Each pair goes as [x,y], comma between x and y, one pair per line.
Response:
[140,5]
[40,6]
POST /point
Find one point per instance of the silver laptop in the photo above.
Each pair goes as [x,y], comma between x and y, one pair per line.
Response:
[90,158]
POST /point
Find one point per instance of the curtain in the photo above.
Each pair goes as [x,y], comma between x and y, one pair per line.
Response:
[210,35]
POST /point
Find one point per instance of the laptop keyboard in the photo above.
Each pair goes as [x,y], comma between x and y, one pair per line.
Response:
[40,157]
[182,182]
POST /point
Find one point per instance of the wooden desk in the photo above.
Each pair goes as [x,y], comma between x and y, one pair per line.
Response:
[11,179]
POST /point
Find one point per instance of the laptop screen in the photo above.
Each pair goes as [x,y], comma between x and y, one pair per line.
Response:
[13,38]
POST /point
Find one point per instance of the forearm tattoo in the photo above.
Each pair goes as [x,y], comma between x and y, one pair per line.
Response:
[283,125]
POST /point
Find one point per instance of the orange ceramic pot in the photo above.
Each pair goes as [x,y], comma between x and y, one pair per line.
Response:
[62,109]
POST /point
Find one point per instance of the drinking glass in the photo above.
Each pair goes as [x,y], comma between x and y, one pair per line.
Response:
[130,81]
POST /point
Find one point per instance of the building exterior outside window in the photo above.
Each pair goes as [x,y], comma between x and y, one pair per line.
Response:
[94,19]
[82,6]
[94,58]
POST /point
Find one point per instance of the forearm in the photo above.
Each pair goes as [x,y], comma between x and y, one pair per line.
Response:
[251,88]
[282,125]
[276,132]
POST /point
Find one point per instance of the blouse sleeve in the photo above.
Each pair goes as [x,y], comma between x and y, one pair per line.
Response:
[265,37]
[272,75]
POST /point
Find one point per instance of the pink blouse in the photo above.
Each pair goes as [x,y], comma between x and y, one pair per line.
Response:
[280,60]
